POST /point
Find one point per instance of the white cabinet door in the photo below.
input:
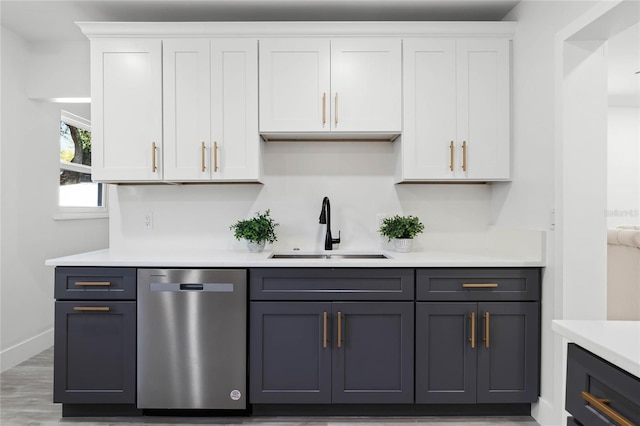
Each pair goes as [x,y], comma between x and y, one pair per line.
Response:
[366,85]
[294,85]
[429,133]
[187,109]
[234,99]
[126,109]
[322,85]
[456,110]
[211,110]
[483,108]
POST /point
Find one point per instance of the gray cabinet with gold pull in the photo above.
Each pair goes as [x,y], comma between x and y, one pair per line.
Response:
[327,335]
[599,393]
[477,335]
[95,339]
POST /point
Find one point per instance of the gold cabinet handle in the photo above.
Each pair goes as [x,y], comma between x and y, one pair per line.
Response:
[479,285]
[472,317]
[93,283]
[451,156]
[215,156]
[486,329]
[339,329]
[324,330]
[464,156]
[154,149]
[324,108]
[91,308]
[335,112]
[202,155]
[601,406]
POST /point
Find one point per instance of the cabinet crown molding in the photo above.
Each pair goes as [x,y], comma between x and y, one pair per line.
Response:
[298,28]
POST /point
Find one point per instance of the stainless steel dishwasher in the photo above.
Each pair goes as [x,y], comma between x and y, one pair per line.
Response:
[192,339]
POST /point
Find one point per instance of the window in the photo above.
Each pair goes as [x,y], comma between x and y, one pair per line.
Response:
[78,196]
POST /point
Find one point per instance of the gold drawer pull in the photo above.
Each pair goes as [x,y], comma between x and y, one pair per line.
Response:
[339,329]
[154,167]
[601,406]
[472,316]
[93,283]
[486,330]
[203,150]
[91,308]
[324,330]
[324,109]
[479,285]
[451,156]
[464,156]
[215,156]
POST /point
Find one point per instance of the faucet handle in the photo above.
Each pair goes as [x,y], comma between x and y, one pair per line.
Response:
[336,240]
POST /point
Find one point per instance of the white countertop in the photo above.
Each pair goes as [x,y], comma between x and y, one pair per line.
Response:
[616,341]
[245,259]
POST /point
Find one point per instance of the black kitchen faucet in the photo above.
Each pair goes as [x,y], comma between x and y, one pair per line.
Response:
[325,217]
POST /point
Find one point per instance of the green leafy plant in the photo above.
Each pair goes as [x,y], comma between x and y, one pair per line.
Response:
[256,229]
[401,227]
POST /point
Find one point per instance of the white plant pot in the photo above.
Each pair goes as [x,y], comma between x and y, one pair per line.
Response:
[403,245]
[255,247]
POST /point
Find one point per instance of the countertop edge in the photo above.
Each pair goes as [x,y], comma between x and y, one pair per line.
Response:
[615,341]
[229,259]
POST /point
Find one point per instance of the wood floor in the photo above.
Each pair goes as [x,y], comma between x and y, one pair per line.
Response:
[27,392]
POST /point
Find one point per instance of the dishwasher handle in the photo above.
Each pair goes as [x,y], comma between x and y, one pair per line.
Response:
[201,287]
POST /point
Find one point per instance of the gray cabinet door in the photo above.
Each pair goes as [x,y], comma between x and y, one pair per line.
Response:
[508,356]
[373,352]
[445,353]
[289,361]
[95,352]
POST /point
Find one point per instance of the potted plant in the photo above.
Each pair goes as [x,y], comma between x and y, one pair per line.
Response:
[256,231]
[402,230]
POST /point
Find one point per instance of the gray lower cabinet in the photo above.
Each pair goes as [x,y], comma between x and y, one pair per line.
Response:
[290,357]
[477,351]
[338,342]
[95,336]
[598,392]
[331,352]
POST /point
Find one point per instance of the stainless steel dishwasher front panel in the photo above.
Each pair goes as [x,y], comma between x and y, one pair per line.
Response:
[192,339]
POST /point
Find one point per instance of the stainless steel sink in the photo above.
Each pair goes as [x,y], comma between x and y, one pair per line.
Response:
[328,256]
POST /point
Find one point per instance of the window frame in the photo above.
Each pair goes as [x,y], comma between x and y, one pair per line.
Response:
[77,212]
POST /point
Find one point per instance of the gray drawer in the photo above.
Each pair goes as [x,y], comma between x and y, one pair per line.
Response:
[478,284]
[73,283]
[589,377]
[331,284]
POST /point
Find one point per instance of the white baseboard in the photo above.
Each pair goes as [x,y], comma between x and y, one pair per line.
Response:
[545,414]
[21,352]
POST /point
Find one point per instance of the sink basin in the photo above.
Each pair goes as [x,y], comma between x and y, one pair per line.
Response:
[328,256]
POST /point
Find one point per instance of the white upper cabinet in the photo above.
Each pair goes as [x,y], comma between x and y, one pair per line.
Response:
[456,110]
[294,85]
[234,96]
[126,109]
[338,85]
[187,109]
[366,85]
[211,110]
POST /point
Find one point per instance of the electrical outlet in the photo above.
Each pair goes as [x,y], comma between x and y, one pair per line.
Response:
[379,218]
[148,220]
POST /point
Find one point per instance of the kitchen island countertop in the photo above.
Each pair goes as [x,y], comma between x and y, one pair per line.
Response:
[615,341]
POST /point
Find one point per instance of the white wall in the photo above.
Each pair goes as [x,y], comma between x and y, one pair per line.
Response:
[28,179]
[623,166]
[529,200]
[356,176]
